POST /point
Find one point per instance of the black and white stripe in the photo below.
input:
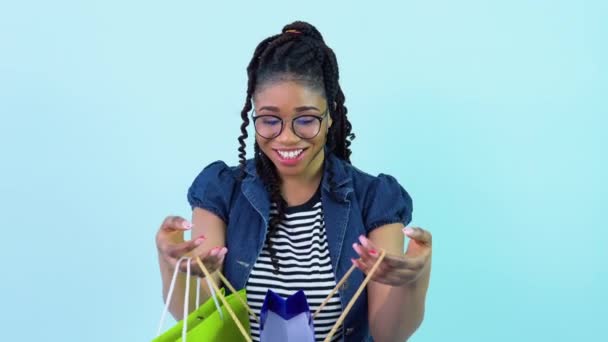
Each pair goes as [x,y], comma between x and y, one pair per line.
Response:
[304,264]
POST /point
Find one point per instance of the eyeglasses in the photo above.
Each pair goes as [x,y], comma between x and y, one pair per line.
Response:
[304,126]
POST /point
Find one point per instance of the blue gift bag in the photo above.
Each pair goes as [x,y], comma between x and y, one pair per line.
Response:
[287,320]
[290,320]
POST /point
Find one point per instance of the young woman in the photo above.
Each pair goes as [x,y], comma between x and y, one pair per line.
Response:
[298,214]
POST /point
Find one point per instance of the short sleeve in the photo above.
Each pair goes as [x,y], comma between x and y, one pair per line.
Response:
[212,189]
[386,202]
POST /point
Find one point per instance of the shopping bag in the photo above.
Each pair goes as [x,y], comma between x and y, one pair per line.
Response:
[290,320]
[287,320]
[206,324]
[221,318]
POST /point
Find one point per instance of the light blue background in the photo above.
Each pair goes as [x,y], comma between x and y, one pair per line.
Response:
[492,114]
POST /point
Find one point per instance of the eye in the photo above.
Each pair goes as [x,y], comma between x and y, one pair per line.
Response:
[306,120]
[270,121]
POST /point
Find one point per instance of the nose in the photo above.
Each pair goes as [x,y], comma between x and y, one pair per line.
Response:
[287,136]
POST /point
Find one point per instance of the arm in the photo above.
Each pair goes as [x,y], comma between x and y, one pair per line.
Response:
[171,247]
[396,300]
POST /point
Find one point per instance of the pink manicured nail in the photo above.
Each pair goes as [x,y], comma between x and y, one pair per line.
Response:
[373,252]
[187,225]
[362,240]
[199,241]
[215,251]
[408,231]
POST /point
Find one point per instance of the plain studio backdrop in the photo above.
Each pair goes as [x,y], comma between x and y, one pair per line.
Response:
[492,114]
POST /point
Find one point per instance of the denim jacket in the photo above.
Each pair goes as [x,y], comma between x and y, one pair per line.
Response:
[356,204]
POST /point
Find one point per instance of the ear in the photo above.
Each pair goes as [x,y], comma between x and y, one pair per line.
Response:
[330,121]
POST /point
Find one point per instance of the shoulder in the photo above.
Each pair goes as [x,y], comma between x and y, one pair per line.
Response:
[214,187]
[218,171]
[382,198]
[368,184]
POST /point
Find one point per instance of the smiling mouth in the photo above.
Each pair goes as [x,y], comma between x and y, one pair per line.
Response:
[290,154]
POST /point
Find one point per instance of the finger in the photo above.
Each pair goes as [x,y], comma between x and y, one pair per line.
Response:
[367,264]
[365,255]
[360,265]
[212,260]
[218,264]
[367,243]
[177,250]
[211,264]
[217,254]
[383,274]
[420,235]
[175,223]
[386,273]
[368,246]
[371,248]
[383,268]
[397,278]
[400,262]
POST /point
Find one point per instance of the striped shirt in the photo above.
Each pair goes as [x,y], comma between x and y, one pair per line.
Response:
[300,244]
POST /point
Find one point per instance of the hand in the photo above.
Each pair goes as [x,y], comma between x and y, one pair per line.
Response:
[171,246]
[397,270]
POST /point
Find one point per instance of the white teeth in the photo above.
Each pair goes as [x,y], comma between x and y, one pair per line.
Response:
[290,154]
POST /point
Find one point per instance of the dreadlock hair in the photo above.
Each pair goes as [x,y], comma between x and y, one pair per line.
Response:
[297,54]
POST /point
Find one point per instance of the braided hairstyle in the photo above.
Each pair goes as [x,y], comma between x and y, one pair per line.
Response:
[297,54]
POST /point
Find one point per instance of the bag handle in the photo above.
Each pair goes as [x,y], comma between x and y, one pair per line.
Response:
[223,299]
[214,296]
[231,288]
[215,293]
[186,298]
[351,303]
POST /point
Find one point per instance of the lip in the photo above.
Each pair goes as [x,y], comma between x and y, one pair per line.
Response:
[290,162]
[289,149]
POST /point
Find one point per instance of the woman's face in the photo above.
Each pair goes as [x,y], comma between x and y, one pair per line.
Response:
[291,154]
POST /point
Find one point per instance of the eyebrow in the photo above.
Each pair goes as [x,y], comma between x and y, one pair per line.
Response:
[298,109]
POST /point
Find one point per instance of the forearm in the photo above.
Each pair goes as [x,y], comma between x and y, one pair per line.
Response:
[176,306]
[401,313]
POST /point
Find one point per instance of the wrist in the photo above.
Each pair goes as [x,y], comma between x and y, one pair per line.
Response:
[164,263]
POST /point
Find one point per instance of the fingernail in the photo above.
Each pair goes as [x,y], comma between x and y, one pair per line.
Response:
[202,237]
[187,225]
[199,241]
[362,239]
[355,245]
[408,231]
[373,252]
[215,251]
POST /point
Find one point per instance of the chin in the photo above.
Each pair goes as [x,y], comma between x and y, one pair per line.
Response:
[290,170]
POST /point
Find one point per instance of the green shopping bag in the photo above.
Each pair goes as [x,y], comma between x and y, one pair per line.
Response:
[223,320]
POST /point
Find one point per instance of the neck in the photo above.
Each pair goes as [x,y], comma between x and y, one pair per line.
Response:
[298,189]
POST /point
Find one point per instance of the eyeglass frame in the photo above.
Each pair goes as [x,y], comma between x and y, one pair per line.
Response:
[318,117]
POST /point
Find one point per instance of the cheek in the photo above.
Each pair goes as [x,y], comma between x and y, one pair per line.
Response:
[264,145]
[320,139]
[261,142]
